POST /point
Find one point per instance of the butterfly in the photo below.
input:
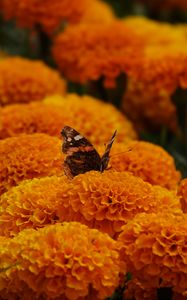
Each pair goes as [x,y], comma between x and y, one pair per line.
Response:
[81,155]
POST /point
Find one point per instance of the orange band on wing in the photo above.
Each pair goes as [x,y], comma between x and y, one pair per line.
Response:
[72,150]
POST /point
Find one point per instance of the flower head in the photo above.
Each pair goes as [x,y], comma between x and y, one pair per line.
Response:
[46,13]
[62,261]
[148,108]
[160,71]
[19,83]
[105,201]
[105,52]
[28,156]
[92,118]
[154,248]
[148,161]
[98,11]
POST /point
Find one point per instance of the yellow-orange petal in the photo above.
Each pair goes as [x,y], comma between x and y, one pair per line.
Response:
[28,156]
[19,83]
[105,52]
[98,11]
[105,201]
[62,261]
[91,117]
[148,161]
[145,261]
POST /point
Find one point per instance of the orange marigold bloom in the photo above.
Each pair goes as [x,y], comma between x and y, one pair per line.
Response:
[94,119]
[105,52]
[148,161]
[182,192]
[149,108]
[100,200]
[154,248]
[162,69]
[46,13]
[63,261]
[19,83]
[156,33]
[28,156]
[98,11]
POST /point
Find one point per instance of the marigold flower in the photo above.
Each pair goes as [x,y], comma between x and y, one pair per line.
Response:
[105,52]
[154,248]
[61,261]
[99,200]
[147,108]
[156,33]
[19,83]
[148,161]
[28,156]
[98,11]
[162,68]
[94,119]
[46,13]
[182,192]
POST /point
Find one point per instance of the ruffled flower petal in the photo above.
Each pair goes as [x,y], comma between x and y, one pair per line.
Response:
[91,117]
[19,83]
[148,161]
[62,261]
[105,201]
[154,248]
[29,156]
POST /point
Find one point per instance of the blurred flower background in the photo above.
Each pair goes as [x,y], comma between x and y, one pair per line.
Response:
[97,66]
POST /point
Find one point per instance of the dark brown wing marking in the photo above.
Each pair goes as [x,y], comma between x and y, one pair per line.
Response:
[106,156]
[81,155]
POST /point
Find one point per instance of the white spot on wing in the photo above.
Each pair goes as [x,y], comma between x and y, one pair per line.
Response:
[69,139]
[78,137]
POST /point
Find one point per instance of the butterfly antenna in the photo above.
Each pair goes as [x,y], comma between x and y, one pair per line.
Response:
[121,152]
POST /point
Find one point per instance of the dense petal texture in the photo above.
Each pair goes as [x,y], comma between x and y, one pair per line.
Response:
[63,261]
[105,201]
[46,13]
[162,69]
[154,248]
[93,118]
[148,161]
[105,52]
[28,156]
[19,83]
[183,194]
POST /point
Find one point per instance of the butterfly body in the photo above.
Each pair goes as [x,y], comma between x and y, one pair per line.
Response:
[81,155]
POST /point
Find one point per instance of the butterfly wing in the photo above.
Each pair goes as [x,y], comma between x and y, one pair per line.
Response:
[106,156]
[81,155]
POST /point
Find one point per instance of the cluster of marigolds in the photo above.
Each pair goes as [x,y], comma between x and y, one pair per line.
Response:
[77,239]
